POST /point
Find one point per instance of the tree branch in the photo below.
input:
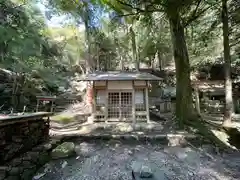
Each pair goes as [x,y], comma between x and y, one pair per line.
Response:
[198,4]
[139,10]
[196,16]
[124,15]
[131,6]
[235,43]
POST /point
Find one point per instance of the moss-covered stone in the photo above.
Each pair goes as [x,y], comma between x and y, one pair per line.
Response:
[43,158]
[64,150]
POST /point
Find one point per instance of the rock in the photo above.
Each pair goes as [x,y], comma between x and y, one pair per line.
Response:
[2,173]
[43,158]
[43,147]
[28,165]
[64,164]
[12,178]
[15,171]
[38,176]
[146,172]
[64,150]
[47,146]
[123,127]
[84,149]
[31,156]
[28,174]
[16,162]
[142,169]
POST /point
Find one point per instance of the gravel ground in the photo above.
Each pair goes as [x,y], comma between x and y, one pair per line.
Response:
[113,161]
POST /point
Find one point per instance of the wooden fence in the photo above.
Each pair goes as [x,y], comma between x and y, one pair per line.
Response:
[163,105]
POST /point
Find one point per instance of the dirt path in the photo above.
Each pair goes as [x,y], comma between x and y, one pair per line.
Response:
[114,161]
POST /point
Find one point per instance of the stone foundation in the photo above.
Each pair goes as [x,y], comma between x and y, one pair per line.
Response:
[25,166]
[20,134]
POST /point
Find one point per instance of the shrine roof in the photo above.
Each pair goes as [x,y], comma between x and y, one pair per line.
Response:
[121,76]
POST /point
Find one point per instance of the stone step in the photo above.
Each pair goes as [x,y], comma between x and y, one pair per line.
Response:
[164,139]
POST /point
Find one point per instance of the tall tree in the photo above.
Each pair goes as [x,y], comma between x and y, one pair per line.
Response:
[183,82]
[227,61]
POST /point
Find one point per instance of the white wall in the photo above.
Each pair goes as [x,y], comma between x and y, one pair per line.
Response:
[120,85]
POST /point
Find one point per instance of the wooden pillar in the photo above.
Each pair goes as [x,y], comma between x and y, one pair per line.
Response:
[120,106]
[51,107]
[197,101]
[133,105]
[147,103]
[93,109]
[106,103]
[37,105]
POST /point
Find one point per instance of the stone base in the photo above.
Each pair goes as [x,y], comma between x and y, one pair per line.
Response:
[25,166]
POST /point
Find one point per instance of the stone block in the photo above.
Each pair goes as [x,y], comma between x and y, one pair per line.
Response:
[15,171]
[31,156]
[63,150]
[28,174]
[12,178]
[142,170]
[3,172]
[43,158]
[15,162]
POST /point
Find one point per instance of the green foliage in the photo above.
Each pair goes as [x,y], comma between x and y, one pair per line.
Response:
[23,44]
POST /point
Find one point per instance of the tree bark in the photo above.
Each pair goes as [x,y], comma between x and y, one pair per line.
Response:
[160,60]
[184,104]
[227,62]
[87,40]
[197,101]
[134,48]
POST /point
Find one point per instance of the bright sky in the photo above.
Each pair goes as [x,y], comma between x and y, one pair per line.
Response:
[59,20]
[55,21]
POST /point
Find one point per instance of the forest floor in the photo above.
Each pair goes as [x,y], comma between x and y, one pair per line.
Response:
[110,160]
[114,159]
[158,129]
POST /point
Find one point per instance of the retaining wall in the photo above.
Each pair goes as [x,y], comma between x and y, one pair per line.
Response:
[19,134]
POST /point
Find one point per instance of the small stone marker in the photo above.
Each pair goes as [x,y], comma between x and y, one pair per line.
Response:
[143,170]
[146,172]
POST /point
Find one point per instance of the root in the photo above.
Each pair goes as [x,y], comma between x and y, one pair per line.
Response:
[205,131]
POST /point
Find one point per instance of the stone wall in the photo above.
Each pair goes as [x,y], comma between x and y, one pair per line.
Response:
[25,166]
[20,134]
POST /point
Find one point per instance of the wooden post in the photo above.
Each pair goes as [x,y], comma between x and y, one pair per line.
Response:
[106,103]
[133,105]
[120,105]
[51,107]
[37,105]
[147,103]
[197,101]
[93,101]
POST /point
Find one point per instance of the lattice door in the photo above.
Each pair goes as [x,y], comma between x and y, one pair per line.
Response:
[120,105]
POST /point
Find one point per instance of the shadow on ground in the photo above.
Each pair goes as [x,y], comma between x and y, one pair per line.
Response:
[114,160]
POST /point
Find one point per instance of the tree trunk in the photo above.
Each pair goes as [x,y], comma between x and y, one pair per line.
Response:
[184,104]
[160,60]
[227,61]
[197,101]
[87,40]
[134,49]
[98,61]
[121,63]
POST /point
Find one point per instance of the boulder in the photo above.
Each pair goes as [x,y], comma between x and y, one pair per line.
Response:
[143,170]
[64,150]
[146,171]
[85,149]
